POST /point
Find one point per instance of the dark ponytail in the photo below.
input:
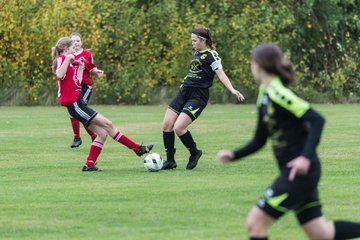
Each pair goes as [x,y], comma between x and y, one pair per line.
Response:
[205,34]
[271,59]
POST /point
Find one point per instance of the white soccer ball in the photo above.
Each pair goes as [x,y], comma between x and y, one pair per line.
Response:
[153,162]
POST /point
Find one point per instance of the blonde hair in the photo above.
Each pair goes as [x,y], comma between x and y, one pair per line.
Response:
[61,44]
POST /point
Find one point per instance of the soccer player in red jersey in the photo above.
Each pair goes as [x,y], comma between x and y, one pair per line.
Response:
[86,84]
[70,73]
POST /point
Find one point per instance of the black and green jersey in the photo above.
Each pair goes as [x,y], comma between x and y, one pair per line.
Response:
[202,69]
[293,127]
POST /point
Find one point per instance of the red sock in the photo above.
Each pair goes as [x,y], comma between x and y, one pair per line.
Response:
[95,150]
[121,138]
[75,126]
[91,133]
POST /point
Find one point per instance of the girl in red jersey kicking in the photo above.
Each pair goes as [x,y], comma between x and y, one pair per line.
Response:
[70,74]
[86,85]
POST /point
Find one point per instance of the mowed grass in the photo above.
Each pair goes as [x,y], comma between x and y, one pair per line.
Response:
[44,194]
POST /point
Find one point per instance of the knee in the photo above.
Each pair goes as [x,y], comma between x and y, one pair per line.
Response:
[179,130]
[167,125]
[255,227]
[251,226]
[102,135]
[319,229]
[108,125]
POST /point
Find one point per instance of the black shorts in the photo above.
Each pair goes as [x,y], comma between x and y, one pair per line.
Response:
[80,111]
[86,92]
[300,196]
[191,101]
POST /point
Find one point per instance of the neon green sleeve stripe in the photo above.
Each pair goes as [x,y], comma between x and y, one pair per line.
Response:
[287,99]
[260,95]
[215,55]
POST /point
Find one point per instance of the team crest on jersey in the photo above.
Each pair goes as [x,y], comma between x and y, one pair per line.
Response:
[203,56]
[194,67]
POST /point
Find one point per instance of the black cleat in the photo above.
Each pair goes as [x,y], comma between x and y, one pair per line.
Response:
[76,143]
[193,160]
[144,149]
[90,169]
[169,165]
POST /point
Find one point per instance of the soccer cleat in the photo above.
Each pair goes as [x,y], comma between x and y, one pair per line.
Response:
[169,165]
[90,169]
[193,160]
[76,143]
[144,149]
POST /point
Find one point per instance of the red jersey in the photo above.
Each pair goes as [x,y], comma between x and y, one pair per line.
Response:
[69,85]
[89,65]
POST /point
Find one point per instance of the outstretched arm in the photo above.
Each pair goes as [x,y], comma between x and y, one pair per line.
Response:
[97,71]
[225,80]
[254,145]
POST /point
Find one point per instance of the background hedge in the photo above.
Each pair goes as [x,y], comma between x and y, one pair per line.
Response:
[144,46]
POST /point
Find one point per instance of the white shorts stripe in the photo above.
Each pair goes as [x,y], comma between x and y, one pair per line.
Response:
[81,112]
[86,95]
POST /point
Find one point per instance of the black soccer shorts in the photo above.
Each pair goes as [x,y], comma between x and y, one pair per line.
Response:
[300,196]
[191,101]
[80,111]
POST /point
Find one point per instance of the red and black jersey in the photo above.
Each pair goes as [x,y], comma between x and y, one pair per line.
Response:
[89,65]
[69,85]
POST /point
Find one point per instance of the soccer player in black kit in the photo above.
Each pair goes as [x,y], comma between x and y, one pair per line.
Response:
[295,130]
[192,97]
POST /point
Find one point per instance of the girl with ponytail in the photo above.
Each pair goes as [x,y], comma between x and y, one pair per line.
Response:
[295,130]
[69,73]
[193,97]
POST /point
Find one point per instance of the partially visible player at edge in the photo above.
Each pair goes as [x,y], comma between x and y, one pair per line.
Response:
[193,97]
[295,129]
[69,73]
[86,85]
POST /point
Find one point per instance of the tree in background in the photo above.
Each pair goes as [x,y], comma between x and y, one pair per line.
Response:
[144,45]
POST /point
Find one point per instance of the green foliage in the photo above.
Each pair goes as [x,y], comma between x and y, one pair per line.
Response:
[144,46]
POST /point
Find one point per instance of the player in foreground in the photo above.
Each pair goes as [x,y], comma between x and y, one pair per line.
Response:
[86,85]
[193,97]
[295,129]
[70,73]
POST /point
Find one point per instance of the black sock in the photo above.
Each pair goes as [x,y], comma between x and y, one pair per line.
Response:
[169,143]
[346,230]
[188,141]
[258,238]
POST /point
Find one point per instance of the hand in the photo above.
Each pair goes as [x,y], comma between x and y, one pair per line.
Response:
[225,156]
[99,72]
[71,58]
[238,95]
[298,166]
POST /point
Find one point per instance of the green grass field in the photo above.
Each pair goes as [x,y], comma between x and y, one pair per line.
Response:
[44,194]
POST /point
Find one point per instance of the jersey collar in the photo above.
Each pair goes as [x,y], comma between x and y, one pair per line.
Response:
[204,50]
[79,52]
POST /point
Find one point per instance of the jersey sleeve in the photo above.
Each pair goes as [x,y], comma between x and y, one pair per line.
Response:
[91,65]
[288,100]
[316,125]
[214,60]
